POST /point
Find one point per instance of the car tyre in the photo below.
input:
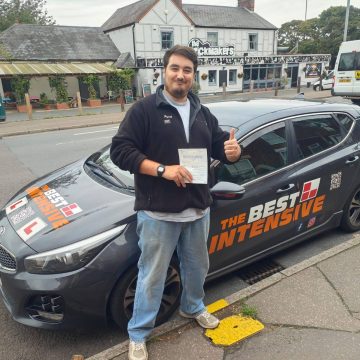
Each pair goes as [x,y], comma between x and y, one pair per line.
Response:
[316,87]
[123,296]
[350,221]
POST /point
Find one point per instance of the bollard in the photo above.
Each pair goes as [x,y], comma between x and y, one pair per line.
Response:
[78,99]
[224,89]
[298,83]
[28,106]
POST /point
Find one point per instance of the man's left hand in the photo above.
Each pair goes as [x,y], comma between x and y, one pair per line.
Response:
[232,148]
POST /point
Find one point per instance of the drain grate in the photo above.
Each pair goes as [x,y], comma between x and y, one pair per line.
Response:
[260,270]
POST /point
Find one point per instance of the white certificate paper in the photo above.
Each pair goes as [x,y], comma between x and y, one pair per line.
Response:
[195,160]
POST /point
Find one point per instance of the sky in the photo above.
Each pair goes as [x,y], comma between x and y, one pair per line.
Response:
[277,12]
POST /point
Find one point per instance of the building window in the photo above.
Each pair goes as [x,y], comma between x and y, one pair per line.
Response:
[212,38]
[232,77]
[253,42]
[167,39]
[212,77]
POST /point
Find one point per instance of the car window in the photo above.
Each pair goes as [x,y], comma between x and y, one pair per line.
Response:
[345,120]
[262,152]
[315,134]
[347,62]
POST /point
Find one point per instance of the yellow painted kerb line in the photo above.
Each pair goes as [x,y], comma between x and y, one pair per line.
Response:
[233,328]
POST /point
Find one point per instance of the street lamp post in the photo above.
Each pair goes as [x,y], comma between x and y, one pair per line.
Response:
[306,9]
[346,19]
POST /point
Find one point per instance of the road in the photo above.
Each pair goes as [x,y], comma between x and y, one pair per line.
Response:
[23,158]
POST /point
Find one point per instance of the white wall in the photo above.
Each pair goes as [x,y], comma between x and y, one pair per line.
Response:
[123,39]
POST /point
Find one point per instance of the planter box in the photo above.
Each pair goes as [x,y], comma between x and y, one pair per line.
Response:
[62,106]
[47,107]
[94,102]
[22,108]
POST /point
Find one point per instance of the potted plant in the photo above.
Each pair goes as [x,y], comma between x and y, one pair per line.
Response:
[57,84]
[20,85]
[91,81]
[44,101]
[204,76]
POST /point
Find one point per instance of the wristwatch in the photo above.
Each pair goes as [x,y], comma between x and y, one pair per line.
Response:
[160,170]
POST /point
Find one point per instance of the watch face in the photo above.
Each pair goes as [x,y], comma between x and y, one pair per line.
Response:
[160,170]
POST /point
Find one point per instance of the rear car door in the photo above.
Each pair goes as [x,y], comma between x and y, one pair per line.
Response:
[328,161]
[263,217]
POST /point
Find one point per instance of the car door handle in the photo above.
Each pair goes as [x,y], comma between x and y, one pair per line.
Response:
[352,160]
[285,188]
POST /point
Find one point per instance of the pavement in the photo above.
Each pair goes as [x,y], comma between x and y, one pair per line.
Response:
[308,311]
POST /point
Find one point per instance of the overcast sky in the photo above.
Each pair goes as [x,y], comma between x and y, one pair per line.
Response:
[95,13]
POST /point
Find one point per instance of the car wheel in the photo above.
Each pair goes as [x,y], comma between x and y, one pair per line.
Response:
[351,217]
[316,87]
[123,296]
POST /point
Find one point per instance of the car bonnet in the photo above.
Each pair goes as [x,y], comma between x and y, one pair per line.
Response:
[66,207]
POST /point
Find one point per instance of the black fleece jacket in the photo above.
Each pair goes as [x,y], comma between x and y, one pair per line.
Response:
[152,129]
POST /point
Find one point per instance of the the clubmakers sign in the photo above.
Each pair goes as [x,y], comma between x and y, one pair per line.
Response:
[205,48]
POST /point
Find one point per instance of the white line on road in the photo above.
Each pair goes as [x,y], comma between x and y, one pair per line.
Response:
[97,131]
[77,141]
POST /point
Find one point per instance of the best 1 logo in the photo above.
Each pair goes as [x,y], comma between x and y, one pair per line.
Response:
[269,216]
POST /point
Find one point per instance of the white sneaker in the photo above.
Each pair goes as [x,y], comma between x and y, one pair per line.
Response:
[137,351]
[205,319]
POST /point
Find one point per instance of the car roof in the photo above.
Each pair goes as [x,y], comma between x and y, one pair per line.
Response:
[248,114]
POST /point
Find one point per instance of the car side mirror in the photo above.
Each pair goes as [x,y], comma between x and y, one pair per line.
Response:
[224,190]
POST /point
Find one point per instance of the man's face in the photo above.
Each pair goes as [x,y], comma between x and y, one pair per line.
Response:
[179,76]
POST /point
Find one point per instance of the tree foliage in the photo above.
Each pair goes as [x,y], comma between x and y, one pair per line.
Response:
[321,35]
[24,12]
[119,80]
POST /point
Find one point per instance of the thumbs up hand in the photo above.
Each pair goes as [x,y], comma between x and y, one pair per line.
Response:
[232,148]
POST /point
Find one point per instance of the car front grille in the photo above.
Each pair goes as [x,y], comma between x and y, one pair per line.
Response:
[7,261]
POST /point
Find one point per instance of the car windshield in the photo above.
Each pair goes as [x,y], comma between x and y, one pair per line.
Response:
[104,161]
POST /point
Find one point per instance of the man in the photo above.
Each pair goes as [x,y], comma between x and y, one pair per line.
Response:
[173,210]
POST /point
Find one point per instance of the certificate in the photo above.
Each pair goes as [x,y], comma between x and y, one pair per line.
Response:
[196,161]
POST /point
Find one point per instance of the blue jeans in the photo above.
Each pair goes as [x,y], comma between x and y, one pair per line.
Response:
[157,241]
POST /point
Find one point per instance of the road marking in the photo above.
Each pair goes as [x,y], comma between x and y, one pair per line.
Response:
[97,131]
[217,305]
[233,329]
[77,141]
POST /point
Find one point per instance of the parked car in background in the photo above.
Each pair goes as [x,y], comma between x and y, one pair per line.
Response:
[347,71]
[326,83]
[68,242]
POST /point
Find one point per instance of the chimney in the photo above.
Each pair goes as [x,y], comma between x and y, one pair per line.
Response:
[248,4]
[178,3]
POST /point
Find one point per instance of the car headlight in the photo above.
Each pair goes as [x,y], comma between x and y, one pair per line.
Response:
[70,257]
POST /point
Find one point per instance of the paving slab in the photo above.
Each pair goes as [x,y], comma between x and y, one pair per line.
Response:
[298,344]
[185,344]
[304,299]
[343,272]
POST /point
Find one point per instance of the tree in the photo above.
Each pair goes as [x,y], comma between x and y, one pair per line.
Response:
[25,12]
[119,80]
[21,86]
[321,35]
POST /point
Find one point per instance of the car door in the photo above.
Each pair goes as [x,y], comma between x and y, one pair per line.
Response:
[327,166]
[261,219]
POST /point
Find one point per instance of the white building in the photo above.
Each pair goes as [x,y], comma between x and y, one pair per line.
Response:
[235,45]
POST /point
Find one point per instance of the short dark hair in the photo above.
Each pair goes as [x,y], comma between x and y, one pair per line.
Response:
[185,51]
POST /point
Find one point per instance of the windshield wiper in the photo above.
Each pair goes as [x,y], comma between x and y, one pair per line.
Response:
[109,174]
